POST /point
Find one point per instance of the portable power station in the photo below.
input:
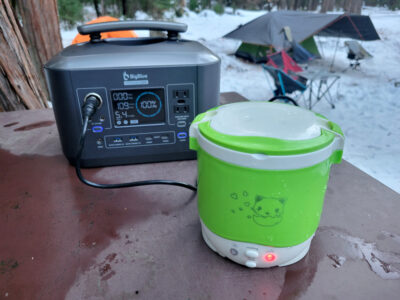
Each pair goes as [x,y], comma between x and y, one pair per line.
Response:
[150,90]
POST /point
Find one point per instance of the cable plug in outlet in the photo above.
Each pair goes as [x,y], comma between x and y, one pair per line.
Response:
[91,104]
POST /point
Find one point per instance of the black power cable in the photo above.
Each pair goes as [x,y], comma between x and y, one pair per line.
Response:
[89,108]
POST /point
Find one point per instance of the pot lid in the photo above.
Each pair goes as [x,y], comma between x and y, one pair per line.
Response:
[268,128]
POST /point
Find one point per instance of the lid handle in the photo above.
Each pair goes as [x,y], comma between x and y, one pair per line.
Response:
[338,143]
[201,118]
[94,30]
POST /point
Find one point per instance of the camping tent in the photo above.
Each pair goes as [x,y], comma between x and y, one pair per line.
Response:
[254,53]
[311,46]
[267,30]
[258,53]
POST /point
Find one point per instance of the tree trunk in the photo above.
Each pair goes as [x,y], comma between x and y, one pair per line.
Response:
[358,7]
[20,86]
[315,4]
[290,4]
[41,31]
[124,8]
[97,9]
[41,28]
[282,4]
[103,8]
[312,5]
[327,5]
[353,6]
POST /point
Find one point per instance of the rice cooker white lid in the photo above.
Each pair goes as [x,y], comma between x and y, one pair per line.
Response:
[267,119]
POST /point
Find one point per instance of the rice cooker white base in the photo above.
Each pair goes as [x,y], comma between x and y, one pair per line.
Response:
[255,255]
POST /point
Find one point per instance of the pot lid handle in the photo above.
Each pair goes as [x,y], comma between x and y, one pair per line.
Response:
[333,128]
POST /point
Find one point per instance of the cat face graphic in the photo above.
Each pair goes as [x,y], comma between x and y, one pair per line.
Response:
[268,211]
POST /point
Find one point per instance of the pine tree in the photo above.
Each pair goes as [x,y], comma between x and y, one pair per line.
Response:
[71,11]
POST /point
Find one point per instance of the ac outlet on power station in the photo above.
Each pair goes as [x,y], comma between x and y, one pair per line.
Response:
[181,109]
[181,93]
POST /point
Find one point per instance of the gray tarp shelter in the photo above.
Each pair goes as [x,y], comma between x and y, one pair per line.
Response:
[267,29]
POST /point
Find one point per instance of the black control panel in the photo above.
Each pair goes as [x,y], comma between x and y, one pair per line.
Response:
[149,124]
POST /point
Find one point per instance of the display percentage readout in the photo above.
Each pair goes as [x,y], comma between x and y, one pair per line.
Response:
[139,106]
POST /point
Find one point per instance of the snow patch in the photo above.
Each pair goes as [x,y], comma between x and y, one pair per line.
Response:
[338,260]
[380,262]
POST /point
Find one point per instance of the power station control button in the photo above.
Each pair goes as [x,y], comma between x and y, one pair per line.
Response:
[251,264]
[251,253]
[99,142]
[182,135]
[97,129]
[181,123]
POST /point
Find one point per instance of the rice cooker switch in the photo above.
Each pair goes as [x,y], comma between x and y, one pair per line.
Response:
[251,253]
[251,264]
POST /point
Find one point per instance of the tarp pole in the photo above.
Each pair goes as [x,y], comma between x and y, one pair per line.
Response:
[355,27]
[320,45]
[334,55]
[269,83]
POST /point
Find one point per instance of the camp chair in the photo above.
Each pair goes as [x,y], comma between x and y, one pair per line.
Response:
[285,84]
[281,60]
[297,52]
[301,55]
[356,53]
[318,86]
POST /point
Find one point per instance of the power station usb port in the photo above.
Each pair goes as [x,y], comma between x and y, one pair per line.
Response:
[97,129]
[133,139]
[182,135]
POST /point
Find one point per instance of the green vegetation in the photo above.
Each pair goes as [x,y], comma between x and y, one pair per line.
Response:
[71,11]
[194,5]
[219,8]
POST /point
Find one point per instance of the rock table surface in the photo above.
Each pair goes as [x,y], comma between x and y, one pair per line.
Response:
[62,239]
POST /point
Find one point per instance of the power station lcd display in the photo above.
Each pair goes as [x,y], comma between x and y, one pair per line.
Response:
[136,107]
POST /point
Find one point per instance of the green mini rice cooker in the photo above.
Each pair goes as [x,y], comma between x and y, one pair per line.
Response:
[263,170]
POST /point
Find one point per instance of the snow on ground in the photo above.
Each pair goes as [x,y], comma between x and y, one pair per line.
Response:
[367,100]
